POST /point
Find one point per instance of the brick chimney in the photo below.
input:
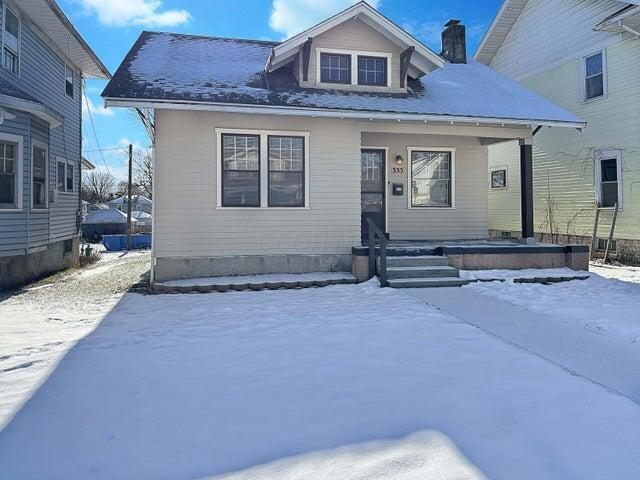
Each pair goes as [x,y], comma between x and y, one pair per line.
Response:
[454,42]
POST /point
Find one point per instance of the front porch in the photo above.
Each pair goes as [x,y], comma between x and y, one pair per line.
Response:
[436,263]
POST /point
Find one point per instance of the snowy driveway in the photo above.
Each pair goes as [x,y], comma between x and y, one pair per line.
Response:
[341,382]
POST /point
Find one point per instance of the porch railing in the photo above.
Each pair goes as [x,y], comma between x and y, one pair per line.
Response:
[375,232]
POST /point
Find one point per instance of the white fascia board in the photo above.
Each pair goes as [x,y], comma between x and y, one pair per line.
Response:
[53,118]
[327,113]
[491,29]
[289,47]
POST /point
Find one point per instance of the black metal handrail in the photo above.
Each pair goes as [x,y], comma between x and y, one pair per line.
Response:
[374,231]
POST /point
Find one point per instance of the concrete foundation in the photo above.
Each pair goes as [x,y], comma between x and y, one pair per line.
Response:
[18,270]
[514,261]
[360,267]
[171,268]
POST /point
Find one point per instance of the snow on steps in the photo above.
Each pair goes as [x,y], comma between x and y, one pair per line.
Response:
[255,282]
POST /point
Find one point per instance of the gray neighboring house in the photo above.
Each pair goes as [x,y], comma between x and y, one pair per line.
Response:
[44,60]
[139,203]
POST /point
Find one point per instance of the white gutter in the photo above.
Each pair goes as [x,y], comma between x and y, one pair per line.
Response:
[326,113]
[36,108]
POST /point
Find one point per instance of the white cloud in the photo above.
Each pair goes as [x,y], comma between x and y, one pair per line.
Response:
[89,106]
[122,13]
[291,17]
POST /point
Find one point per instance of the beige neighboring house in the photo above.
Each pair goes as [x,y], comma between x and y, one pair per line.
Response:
[271,157]
[582,55]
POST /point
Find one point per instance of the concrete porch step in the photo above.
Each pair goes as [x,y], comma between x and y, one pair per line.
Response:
[422,272]
[425,261]
[427,282]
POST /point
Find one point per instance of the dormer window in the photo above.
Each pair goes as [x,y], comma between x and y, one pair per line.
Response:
[372,71]
[335,68]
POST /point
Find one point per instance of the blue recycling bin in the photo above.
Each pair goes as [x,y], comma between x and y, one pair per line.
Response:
[115,243]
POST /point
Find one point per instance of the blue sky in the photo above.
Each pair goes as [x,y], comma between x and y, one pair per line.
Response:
[112,26]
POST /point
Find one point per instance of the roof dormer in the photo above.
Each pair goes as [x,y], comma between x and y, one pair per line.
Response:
[357,49]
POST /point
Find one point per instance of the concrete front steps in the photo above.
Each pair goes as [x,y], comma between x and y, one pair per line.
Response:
[422,272]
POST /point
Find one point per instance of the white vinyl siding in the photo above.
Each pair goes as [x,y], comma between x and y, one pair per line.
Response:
[187,222]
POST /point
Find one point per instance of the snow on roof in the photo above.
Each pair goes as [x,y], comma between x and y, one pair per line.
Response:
[107,216]
[172,67]
[136,199]
[139,214]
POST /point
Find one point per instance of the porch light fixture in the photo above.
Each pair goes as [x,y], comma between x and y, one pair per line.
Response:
[399,159]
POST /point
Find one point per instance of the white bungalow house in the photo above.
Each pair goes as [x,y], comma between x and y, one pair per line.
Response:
[583,55]
[272,157]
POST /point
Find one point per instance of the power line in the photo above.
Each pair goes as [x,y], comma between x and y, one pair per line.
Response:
[93,127]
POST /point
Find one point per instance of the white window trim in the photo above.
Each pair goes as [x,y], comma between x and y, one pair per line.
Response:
[608,155]
[264,166]
[66,162]
[387,182]
[18,53]
[47,167]
[354,66]
[583,80]
[73,83]
[506,177]
[452,150]
[18,140]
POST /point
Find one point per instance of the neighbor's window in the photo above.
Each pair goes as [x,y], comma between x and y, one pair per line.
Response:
[372,71]
[431,179]
[335,68]
[10,41]
[8,185]
[39,178]
[68,80]
[69,177]
[594,76]
[286,171]
[499,178]
[609,182]
[240,170]
[61,176]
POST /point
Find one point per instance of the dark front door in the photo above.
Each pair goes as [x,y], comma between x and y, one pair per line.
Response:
[372,186]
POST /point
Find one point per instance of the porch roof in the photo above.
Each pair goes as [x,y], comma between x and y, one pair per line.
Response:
[167,70]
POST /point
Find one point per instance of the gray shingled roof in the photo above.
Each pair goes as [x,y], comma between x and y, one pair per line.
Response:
[176,67]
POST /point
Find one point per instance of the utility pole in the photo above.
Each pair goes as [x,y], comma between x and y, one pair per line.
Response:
[129,195]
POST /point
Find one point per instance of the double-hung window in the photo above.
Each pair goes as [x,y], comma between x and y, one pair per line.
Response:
[594,76]
[8,178]
[372,71]
[11,41]
[262,169]
[39,178]
[65,172]
[335,68]
[609,186]
[286,171]
[69,78]
[431,178]
[240,170]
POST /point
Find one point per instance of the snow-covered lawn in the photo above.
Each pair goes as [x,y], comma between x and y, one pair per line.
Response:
[609,306]
[349,382]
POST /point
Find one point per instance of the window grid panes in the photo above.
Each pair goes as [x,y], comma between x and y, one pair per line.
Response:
[594,76]
[430,179]
[240,170]
[286,171]
[39,182]
[372,71]
[7,175]
[335,68]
